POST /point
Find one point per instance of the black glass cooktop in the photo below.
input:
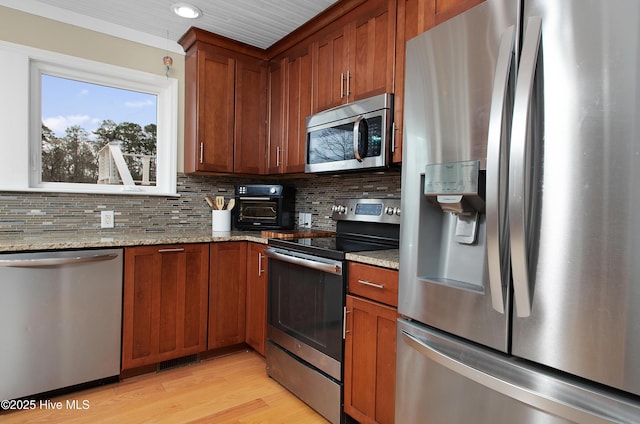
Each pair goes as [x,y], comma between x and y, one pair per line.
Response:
[350,236]
[331,247]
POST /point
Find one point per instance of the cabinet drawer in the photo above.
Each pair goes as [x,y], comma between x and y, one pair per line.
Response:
[375,283]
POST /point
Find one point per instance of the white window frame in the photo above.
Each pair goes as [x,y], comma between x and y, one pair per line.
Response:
[21,121]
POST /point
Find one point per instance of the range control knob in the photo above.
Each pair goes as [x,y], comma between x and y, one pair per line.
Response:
[340,209]
[273,190]
[397,211]
[389,210]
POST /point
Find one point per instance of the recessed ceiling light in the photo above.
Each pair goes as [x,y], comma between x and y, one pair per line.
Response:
[186,10]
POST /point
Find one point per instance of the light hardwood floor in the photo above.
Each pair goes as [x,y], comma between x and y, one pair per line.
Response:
[229,389]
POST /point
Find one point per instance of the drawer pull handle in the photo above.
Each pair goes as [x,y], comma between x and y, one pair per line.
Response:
[369,283]
[179,249]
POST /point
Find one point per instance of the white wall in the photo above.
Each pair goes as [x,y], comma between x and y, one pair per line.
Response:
[30,30]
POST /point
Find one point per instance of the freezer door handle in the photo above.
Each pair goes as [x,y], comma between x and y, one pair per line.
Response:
[517,388]
[49,262]
[497,218]
[518,167]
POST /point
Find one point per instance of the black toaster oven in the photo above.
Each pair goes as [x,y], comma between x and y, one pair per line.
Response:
[264,206]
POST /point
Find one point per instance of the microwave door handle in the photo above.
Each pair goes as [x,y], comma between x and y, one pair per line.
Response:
[497,260]
[360,123]
[517,171]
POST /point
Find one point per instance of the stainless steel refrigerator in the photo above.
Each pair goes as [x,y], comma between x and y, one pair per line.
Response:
[520,237]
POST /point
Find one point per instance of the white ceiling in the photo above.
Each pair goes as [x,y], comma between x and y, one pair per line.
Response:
[259,23]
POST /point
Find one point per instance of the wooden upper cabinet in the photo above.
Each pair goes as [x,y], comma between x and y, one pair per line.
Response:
[354,60]
[372,51]
[447,9]
[250,117]
[330,69]
[225,105]
[413,18]
[289,106]
[276,116]
[298,95]
[209,111]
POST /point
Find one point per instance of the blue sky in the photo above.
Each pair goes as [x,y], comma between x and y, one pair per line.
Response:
[67,102]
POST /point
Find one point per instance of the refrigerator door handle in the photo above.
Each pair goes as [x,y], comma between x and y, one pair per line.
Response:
[517,167]
[496,214]
[514,389]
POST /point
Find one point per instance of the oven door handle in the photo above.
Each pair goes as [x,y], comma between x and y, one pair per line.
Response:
[331,268]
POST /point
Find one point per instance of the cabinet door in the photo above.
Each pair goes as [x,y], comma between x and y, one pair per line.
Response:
[165,303]
[370,361]
[250,117]
[276,116]
[215,113]
[330,66]
[372,50]
[227,293]
[447,9]
[298,92]
[256,331]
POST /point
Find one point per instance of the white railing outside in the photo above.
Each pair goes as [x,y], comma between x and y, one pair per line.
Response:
[113,169]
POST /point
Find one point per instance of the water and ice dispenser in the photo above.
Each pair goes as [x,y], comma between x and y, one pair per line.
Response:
[453,221]
[457,188]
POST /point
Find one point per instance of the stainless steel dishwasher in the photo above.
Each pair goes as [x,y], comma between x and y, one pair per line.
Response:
[61,317]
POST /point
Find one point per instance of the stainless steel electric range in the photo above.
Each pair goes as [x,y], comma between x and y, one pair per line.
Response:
[306,300]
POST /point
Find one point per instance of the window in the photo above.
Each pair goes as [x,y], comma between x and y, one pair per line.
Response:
[87,127]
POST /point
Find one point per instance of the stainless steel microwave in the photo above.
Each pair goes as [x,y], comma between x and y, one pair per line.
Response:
[354,136]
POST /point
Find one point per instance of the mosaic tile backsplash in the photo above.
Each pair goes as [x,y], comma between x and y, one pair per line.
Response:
[34,213]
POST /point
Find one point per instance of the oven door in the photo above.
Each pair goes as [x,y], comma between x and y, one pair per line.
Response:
[257,212]
[306,308]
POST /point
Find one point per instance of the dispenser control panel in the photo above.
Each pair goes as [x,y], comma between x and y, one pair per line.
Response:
[456,178]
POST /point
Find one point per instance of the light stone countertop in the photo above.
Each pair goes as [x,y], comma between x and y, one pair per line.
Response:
[383,258]
[14,243]
[80,240]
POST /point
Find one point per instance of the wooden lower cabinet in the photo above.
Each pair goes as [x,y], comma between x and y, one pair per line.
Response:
[370,361]
[164,303]
[227,294]
[370,344]
[256,324]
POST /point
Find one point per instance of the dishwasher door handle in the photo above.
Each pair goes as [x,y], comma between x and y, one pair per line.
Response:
[48,262]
